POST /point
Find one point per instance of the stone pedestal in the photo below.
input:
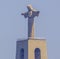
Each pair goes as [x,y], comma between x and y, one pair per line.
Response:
[28,49]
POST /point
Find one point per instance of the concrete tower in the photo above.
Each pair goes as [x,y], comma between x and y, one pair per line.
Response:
[31,48]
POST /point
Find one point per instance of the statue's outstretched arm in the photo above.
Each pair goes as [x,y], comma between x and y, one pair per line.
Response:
[25,14]
[36,13]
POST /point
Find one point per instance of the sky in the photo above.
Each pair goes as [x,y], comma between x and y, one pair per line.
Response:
[13,26]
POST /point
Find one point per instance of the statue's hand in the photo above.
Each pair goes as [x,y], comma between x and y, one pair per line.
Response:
[22,13]
[25,14]
[38,13]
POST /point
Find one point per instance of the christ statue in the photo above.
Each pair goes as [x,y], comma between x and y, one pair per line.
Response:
[30,14]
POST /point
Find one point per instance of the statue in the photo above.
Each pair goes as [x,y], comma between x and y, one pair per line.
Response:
[30,14]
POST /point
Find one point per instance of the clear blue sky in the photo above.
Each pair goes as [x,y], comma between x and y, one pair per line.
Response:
[14,26]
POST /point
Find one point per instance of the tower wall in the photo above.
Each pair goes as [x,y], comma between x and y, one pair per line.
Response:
[37,43]
[22,44]
[29,47]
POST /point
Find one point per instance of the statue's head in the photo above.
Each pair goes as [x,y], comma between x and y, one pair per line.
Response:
[29,7]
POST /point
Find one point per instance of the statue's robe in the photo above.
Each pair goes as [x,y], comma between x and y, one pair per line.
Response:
[30,15]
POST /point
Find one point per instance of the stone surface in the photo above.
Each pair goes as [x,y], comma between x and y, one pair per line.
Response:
[29,48]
